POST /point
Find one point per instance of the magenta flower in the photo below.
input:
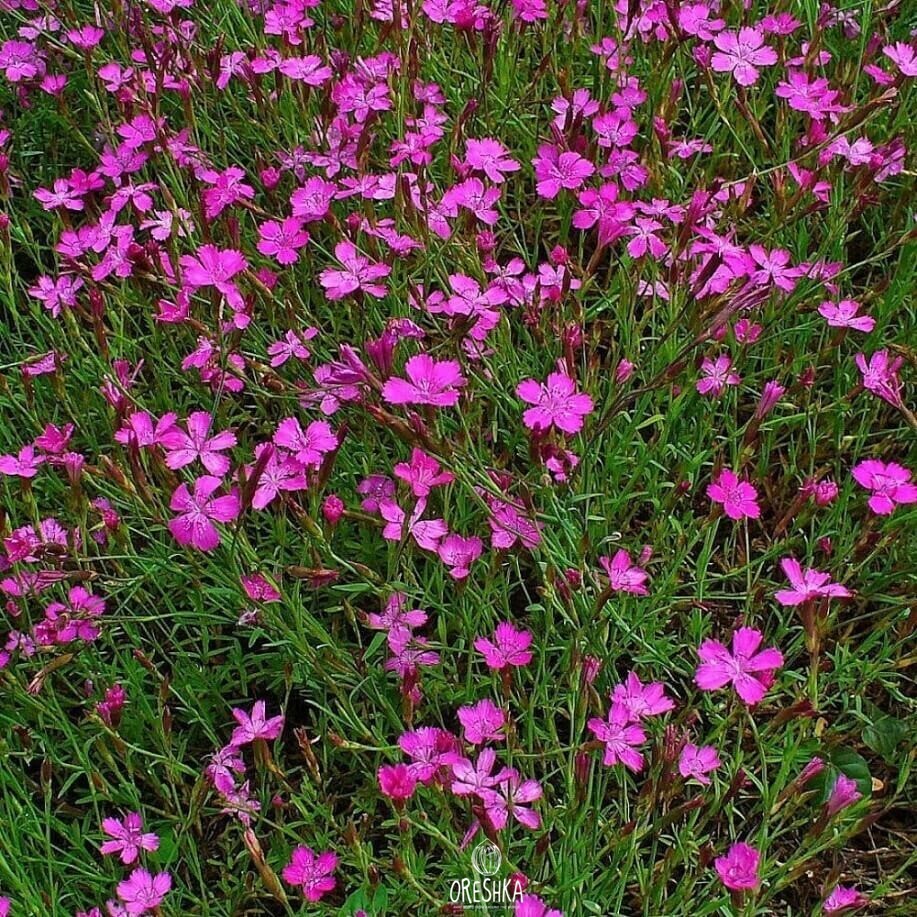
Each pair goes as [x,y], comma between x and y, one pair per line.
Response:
[422,473]
[556,403]
[141,891]
[749,671]
[397,781]
[199,510]
[641,700]
[283,240]
[255,725]
[281,473]
[716,376]
[309,446]
[24,465]
[426,532]
[511,798]
[313,874]
[490,157]
[459,553]
[214,267]
[428,382]
[601,207]
[475,778]
[697,762]
[739,498]
[844,793]
[556,169]
[890,484]
[621,737]
[359,273]
[807,584]
[741,53]
[844,898]
[844,314]
[738,870]
[396,616]
[880,376]
[128,837]
[508,525]
[183,448]
[623,575]
[482,722]
[509,647]
[533,906]
[430,750]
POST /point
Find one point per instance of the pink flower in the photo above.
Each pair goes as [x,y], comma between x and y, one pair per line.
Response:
[601,206]
[459,553]
[312,873]
[557,170]
[640,700]
[509,647]
[183,448]
[844,793]
[698,762]
[903,56]
[214,267]
[140,892]
[428,382]
[741,53]
[128,837]
[474,779]
[482,722]
[716,376]
[621,736]
[533,906]
[282,241]
[738,870]
[508,525]
[396,616]
[511,798]
[490,157]
[557,403]
[739,498]
[889,483]
[279,474]
[24,465]
[749,671]
[359,273]
[431,750]
[397,781]
[423,473]
[293,344]
[807,584]
[844,898]
[624,576]
[199,510]
[255,725]
[426,532]
[308,446]
[880,376]
[843,314]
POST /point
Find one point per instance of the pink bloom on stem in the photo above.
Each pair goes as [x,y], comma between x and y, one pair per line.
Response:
[751,672]
[741,53]
[430,750]
[904,56]
[482,722]
[533,906]
[426,532]
[889,483]
[697,762]
[623,575]
[511,798]
[844,793]
[459,553]
[308,446]
[183,448]
[716,376]
[556,403]
[844,898]
[24,465]
[739,498]
[428,382]
[880,376]
[128,837]
[282,240]
[621,736]
[359,273]
[509,647]
[491,157]
[474,778]
[313,874]
[214,267]
[641,700]
[396,616]
[557,170]
[508,525]
[423,473]
[255,725]
[807,584]
[843,314]
[199,510]
[738,870]
[397,781]
[141,891]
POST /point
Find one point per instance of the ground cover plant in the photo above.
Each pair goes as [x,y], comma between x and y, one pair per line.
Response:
[452,446]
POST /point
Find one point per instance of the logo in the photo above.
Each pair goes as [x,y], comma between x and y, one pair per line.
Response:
[485,890]
[486,859]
